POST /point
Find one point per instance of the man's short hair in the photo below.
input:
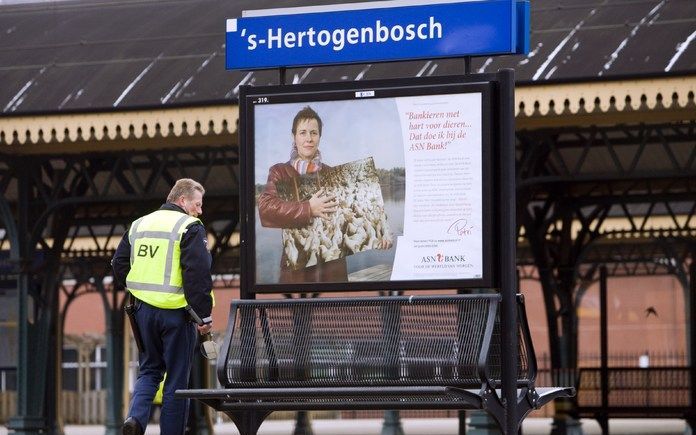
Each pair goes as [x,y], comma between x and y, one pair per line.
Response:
[184,187]
[305,114]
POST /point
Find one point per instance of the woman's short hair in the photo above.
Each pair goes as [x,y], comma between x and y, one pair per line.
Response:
[306,113]
[184,187]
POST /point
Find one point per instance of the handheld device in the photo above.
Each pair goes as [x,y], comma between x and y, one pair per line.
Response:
[209,347]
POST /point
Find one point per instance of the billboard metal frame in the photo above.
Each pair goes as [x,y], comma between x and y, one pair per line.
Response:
[485,84]
[502,215]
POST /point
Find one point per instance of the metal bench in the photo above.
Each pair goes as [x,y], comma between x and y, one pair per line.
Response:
[633,392]
[391,353]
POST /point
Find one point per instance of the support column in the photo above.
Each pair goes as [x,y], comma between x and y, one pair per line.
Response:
[392,420]
[481,423]
[461,418]
[392,424]
[303,424]
[114,359]
[509,324]
[38,299]
[199,423]
[30,418]
[564,420]
[604,344]
[301,325]
[692,342]
[50,324]
[54,380]
[564,423]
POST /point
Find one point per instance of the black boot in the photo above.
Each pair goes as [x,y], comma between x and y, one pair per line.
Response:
[131,427]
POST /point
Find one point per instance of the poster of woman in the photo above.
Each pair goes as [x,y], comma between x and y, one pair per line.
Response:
[330,211]
[370,189]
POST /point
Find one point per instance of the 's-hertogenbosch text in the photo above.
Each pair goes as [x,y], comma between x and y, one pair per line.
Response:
[339,38]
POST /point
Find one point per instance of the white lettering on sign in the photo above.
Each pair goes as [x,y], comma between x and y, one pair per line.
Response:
[364,94]
[338,38]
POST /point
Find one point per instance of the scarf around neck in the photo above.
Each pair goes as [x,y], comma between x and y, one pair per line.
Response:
[304,166]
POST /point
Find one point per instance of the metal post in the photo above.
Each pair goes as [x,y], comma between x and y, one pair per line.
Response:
[303,425]
[392,424]
[461,417]
[28,419]
[114,360]
[481,423]
[692,338]
[199,423]
[54,379]
[507,249]
[603,339]
[391,321]
[301,329]
[467,65]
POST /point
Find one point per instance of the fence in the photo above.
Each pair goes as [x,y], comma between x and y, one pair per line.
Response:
[89,407]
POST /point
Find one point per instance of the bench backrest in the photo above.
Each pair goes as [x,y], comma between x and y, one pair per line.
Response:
[399,341]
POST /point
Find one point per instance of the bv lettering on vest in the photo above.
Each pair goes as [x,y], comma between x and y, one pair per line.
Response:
[155,276]
[147,250]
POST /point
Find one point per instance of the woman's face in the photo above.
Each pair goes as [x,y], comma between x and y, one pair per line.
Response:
[307,138]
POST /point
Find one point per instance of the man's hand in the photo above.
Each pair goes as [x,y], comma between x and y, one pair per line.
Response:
[204,329]
[322,204]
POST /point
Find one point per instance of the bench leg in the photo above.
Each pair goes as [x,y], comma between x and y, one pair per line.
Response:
[604,425]
[691,421]
[392,424]
[248,422]
[303,425]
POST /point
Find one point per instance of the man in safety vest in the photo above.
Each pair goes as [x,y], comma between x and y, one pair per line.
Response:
[164,263]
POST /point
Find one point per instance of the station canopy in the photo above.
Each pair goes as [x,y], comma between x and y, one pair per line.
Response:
[101,75]
[104,55]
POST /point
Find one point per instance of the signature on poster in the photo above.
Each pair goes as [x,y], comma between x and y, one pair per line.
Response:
[460,228]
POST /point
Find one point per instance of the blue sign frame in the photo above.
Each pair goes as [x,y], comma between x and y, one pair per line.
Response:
[402,32]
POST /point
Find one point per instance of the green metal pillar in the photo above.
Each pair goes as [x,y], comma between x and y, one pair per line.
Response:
[392,424]
[30,418]
[199,422]
[303,424]
[114,359]
[38,308]
[481,423]
[564,423]
[54,386]
[691,340]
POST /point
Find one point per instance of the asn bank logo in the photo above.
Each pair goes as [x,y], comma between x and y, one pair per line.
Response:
[440,258]
[439,263]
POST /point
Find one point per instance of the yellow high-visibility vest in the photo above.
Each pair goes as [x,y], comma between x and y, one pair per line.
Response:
[155,275]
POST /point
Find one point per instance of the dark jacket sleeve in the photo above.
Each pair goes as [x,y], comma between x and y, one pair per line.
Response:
[277,213]
[121,262]
[195,267]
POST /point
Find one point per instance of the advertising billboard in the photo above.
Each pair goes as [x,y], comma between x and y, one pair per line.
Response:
[379,185]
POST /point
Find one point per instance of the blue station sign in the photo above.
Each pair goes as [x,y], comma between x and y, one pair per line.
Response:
[375,32]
